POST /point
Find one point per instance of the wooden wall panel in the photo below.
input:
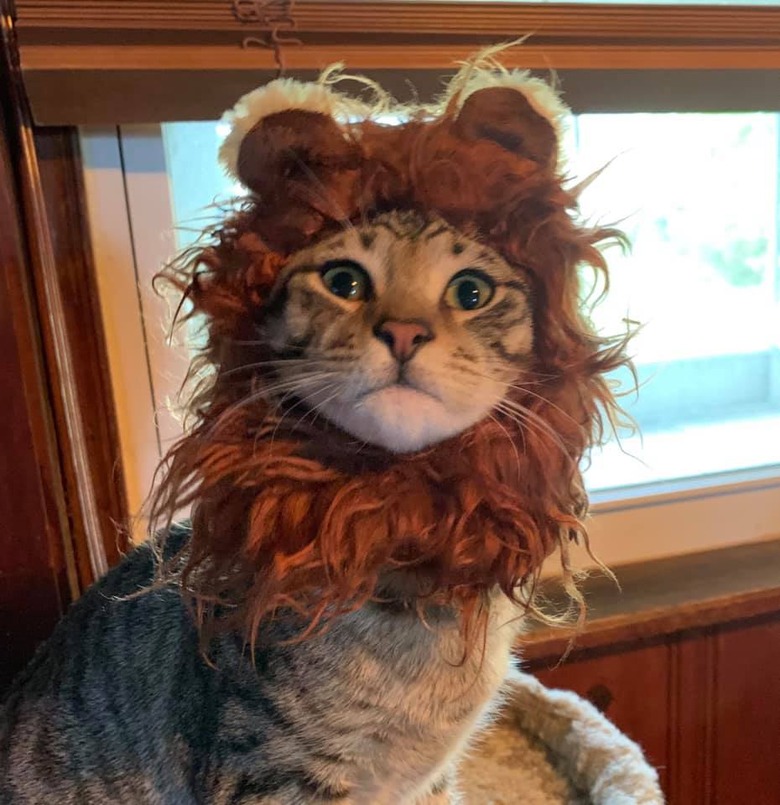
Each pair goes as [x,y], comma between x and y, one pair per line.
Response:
[691,718]
[632,689]
[61,489]
[33,578]
[747,704]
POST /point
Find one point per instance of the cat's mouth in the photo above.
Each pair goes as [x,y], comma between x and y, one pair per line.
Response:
[399,415]
[402,389]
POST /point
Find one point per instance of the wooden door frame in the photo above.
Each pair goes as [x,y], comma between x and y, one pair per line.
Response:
[64,505]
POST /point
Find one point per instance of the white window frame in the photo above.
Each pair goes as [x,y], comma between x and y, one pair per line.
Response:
[131,221]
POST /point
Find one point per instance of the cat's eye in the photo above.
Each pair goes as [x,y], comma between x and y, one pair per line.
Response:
[469,290]
[346,279]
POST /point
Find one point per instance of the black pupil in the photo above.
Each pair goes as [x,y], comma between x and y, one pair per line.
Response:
[344,284]
[468,294]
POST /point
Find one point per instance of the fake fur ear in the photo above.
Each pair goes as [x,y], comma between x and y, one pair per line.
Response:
[281,95]
[300,147]
[288,146]
[517,111]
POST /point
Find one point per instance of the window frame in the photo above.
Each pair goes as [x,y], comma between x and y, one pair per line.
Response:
[129,194]
[132,61]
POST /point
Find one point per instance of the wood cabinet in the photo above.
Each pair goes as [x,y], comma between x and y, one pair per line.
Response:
[746,731]
[695,680]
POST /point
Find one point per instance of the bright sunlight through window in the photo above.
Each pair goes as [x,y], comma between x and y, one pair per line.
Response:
[698,196]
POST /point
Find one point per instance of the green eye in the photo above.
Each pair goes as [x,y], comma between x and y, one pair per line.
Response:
[346,279]
[469,290]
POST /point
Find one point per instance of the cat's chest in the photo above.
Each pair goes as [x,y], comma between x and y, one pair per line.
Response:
[380,706]
[407,700]
[419,673]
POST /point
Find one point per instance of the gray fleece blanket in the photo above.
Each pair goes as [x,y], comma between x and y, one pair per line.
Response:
[552,747]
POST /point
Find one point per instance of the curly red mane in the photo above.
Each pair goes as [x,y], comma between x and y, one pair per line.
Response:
[287,516]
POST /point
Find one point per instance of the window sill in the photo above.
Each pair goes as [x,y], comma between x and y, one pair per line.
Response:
[665,597]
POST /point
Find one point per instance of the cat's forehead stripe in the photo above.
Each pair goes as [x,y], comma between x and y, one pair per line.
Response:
[439,241]
[517,285]
[384,223]
[412,226]
[439,230]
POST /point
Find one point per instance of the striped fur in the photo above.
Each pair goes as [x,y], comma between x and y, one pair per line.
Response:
[344,372]
[120,706]
[481,414]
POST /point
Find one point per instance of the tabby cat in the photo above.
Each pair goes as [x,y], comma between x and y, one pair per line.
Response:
[367,607]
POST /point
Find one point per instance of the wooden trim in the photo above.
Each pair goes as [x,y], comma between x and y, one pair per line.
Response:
[651,626]
[440,57]
[666,597]
[576,21]
[37,572]
[78,388]
[150,54]
[103,96]
[692,727]
[122,291]
[92,442]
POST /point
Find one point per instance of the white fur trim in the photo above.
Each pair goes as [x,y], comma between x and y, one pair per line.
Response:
[278,96]
[287,93]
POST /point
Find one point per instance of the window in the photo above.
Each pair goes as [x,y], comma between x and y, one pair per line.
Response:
[698,196]
[703,278]
[674,95]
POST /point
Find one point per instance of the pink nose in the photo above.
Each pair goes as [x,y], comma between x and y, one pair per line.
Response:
[403,338]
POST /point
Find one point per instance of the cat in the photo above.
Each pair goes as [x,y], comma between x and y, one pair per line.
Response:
[402,384]
[121,707]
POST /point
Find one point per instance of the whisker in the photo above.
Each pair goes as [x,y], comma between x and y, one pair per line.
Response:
[510,439]
[263,392]
[523,387]
[469,368]
[556,407]
[317,408]
[294,382]
[300,401]
[525,419]
[532,421]
[246,367]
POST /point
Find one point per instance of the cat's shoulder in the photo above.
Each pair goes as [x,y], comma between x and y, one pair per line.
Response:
[124,606]
[138,570]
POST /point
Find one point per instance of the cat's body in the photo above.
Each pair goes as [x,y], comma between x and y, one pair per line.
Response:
[120,706]
[400,388]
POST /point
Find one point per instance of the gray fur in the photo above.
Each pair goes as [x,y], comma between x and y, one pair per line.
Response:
[120,706]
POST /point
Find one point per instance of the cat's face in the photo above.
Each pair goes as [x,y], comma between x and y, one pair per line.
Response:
[401,331]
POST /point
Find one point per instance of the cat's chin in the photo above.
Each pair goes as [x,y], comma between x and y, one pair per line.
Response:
[398,418]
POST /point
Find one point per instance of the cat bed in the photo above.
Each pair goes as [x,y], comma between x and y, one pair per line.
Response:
[552,747]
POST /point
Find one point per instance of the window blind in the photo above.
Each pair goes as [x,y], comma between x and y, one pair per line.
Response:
[100,61]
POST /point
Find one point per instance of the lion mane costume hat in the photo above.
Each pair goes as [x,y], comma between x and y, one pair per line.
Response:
[293,516]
